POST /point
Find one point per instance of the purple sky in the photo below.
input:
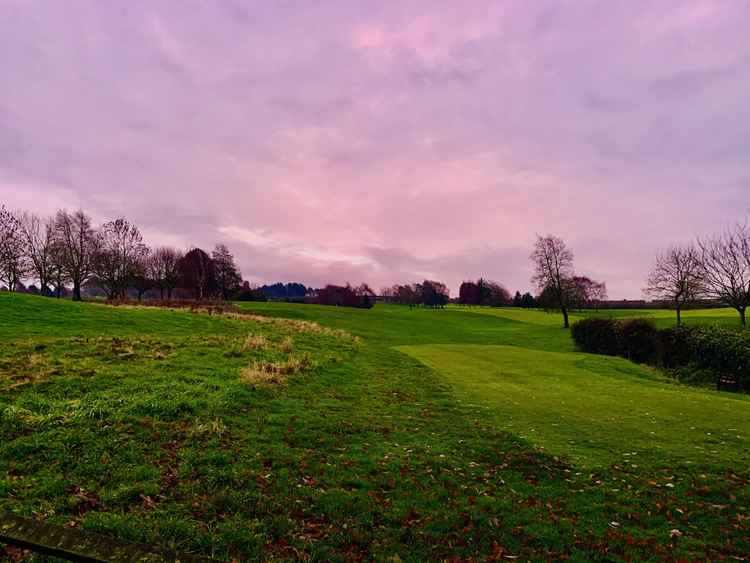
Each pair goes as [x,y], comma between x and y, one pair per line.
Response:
[384,141]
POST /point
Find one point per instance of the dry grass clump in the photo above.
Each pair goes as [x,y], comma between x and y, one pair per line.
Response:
[287,345]
[255,342]
[296,325]
[207,429]
[275,373]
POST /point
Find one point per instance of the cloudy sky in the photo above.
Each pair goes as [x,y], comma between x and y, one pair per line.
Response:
[384,141]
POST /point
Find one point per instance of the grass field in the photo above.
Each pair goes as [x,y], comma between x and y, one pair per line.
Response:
[395,434]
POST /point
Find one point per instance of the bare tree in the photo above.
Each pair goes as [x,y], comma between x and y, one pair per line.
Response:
[76,244]
[119,252]
[163,268]
[13,261]
[677,277]
[39,240]
[228,277]
[141,278]
[553,271]
[725,264]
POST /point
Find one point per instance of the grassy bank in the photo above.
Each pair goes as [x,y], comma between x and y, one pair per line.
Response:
[413,440]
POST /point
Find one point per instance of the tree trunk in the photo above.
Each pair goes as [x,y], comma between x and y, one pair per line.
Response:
[76,291]
[161,293]
[679,318]
[743,320]
[565,317]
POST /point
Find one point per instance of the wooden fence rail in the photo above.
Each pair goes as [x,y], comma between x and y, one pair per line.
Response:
[79,545]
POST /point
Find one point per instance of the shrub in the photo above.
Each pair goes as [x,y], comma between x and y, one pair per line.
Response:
[674,347]
[597,336]
[724,351]
[638,340]
[697,353]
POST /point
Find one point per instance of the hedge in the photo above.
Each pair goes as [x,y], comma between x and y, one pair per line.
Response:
[718,350]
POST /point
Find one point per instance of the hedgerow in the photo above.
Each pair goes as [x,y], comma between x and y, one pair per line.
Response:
[695,350]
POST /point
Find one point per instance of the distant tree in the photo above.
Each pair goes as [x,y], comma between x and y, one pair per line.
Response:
[387,294]
[119,254]
[347,296]
[586,293]
[366,296]
[517,298]
[39,240]
[197,273]
[407,294]
[725,267]
[483,292]
[434,294]
[677,277]
[469,293]
[228,277]
[292,291]
[528,301]
[76,240]
[13,257]
[250,293]
[553,270]
[141,279]
[597,294]
[163,268]
[493,294]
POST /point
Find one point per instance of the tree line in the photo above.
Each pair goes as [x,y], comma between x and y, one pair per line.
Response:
[429,293]
[66,249]
[715,267]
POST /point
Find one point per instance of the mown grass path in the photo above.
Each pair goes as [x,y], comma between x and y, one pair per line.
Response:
[138,423]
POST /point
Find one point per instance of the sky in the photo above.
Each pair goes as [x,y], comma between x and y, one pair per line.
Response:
[384,142]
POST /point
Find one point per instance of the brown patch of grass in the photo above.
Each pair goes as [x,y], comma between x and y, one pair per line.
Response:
[255,342]
[274,373]
[287,345]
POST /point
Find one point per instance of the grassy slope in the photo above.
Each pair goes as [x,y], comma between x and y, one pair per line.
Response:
[368,454]
[597,410]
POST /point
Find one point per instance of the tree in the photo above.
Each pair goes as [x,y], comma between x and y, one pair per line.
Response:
[586,292]
[163,268]
[197,273]
[140,278]
[493,294]
[725,268]
[483,292]
[347,296]
[118,254]
[677,277]
[553,270]
[228,277]
[39,240]
[366,296]
[434,294]
[528,301]
[517,298]
[13,262]
[75,240]
[468,293]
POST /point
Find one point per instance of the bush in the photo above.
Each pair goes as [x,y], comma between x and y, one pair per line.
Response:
[638,340]
[724,351]
[597,336]
[674,348]
[696,353]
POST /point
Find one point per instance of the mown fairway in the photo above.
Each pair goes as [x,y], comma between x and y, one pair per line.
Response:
[420,439]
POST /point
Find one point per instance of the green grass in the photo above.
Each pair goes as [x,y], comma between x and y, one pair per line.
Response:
[597,410]
[413,441]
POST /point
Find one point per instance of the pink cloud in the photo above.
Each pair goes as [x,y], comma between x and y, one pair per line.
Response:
[384,143]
